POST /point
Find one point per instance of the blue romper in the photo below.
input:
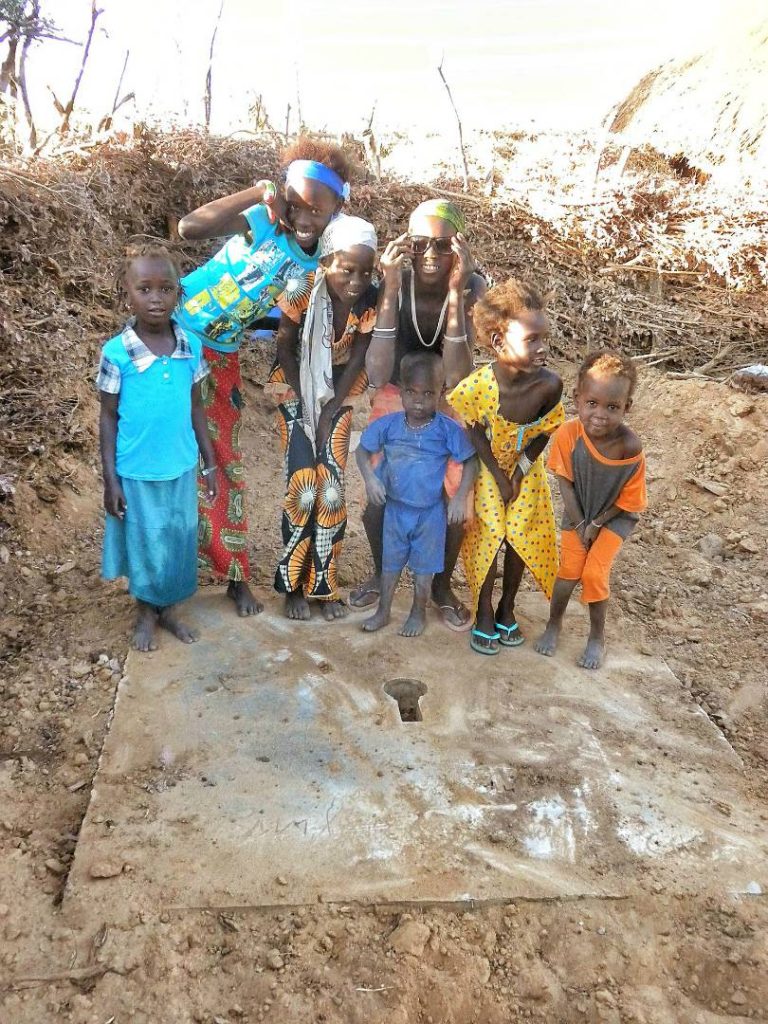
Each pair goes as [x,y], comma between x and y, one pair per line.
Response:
[412,471]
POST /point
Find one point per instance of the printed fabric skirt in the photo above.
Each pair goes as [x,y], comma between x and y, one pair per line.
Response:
[155,544]
[314,516]
[223,524]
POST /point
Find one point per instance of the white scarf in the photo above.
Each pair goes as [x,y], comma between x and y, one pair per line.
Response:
[316,362]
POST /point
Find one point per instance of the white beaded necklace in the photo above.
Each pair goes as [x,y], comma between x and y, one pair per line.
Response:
[415,322]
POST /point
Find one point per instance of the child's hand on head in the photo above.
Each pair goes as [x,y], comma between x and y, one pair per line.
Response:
[114,499]
[376,491]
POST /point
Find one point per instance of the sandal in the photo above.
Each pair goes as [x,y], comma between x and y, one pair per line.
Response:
[492,645]
[445,610]
[509,641]
[362,597]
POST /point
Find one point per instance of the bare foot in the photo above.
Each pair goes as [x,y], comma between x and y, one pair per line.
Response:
[381,618]
[593,654]
[366,594]
[296,606]
[245,602]
[415,623]
[333,610]
[144,630]
[180,630]
[547,642]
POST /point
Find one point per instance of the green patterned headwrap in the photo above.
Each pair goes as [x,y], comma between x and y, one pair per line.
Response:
[442,208]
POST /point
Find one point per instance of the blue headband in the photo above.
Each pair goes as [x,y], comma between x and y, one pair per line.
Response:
[301,170]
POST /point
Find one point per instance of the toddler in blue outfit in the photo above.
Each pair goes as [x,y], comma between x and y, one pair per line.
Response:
[416,445]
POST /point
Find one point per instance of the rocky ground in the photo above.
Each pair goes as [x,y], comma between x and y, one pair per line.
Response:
[692,584]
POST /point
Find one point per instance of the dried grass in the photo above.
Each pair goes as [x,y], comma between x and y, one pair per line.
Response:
[64,223]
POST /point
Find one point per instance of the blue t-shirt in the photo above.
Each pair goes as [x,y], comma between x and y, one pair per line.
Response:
[155,438]
[414,462]
[246,278]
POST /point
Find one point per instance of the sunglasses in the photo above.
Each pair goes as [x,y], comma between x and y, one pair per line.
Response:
[420,244]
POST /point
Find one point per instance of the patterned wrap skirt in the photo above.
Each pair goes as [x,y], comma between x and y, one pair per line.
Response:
[314,517]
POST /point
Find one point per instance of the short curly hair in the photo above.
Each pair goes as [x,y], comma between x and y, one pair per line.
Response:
[608,362]
[333,156]
[153,248]
[492,314]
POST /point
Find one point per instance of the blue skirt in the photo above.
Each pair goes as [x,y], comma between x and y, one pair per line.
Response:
[155,544]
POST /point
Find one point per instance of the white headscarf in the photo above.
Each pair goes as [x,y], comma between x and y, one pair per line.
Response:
[316,363]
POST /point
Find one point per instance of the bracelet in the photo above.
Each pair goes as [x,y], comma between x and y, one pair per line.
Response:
[595,523]
[524,463]
[207,472]
[385,330]
[579,524]
[460,339]
[269,188]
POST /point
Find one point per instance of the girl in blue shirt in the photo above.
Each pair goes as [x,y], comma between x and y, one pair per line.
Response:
[151,427]
[270,259]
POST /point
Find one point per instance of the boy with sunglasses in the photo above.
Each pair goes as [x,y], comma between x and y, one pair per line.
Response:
[423,308]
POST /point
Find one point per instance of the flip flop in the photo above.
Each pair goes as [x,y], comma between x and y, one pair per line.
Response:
[365,598]
[461,627]
[509,630]
[479,648]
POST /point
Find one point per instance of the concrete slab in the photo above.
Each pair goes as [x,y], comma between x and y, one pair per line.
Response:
[266,765]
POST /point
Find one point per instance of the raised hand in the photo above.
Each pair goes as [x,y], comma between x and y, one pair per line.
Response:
[463,264]
[391,261]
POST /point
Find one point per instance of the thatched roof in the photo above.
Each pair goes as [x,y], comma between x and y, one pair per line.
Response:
[711,109]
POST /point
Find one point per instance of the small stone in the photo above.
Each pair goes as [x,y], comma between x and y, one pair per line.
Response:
[55,866]
[281,880]
[4,910]
[80,669]
[711,545]
[749,545]
[739,998]
[110,867]
[409,937]
[275,960]
[66,567]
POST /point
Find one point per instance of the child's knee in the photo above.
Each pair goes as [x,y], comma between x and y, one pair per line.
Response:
[595,582]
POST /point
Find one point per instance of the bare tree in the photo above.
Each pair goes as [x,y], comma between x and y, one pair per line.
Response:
[21,25]
[458,123]
[208,76]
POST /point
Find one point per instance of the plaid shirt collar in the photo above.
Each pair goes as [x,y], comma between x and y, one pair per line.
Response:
[140,355]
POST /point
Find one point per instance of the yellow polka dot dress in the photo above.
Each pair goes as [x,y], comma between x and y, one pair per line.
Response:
[527,524]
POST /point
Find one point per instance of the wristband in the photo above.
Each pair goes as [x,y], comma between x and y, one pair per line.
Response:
[207,472]
[268,187]
[459,339]
[524,463]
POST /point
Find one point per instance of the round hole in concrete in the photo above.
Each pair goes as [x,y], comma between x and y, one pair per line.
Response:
[407,693]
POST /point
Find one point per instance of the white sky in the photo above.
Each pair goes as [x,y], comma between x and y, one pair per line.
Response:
[560,63]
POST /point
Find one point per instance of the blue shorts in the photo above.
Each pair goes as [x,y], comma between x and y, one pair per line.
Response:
[414,537]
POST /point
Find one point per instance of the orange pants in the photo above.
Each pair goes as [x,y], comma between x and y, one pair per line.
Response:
[387,400]
[593,566]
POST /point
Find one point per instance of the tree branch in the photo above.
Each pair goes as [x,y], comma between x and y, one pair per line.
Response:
[209,73]
[95,14]
[458,122]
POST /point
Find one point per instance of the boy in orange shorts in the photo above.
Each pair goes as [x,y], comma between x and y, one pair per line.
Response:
[600,468]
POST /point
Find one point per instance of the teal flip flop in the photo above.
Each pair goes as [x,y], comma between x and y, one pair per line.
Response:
[493,638]
[509,641]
